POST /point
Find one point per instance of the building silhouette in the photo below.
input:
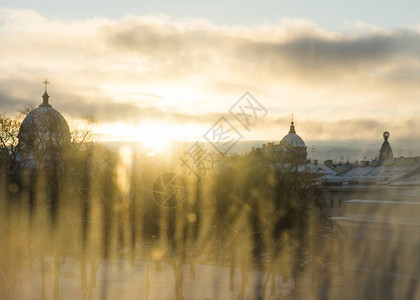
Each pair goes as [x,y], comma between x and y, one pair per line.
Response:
[44,139]
[292,146]
[385,154]
[290,149]
[43,135]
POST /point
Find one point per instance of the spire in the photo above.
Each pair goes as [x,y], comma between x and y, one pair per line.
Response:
[385,154]
[45,97]
[292,126]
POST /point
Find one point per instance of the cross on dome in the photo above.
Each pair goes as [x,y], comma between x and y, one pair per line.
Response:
[45,97]
[46,82]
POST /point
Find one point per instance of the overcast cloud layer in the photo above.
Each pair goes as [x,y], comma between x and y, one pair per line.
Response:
[340,85]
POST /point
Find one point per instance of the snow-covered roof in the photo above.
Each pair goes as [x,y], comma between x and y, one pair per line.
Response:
[317,168]
[403,171]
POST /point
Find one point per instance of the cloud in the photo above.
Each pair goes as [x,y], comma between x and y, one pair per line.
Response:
[105,110]
[405,128]
[191,70]
[8,103]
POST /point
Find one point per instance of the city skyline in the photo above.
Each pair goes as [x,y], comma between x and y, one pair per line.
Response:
[209,150]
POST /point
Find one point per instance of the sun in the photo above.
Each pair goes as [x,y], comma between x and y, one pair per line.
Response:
[153,136]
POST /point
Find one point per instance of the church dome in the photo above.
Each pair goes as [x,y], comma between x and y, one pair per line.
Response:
[293,147]
[43,127]
[292,139]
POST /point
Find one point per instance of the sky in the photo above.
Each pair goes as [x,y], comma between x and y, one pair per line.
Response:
[171,69]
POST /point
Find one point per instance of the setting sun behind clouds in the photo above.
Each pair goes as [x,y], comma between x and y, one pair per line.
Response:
[152,135]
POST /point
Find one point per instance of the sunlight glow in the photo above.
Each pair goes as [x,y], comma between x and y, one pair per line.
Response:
[153,136]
